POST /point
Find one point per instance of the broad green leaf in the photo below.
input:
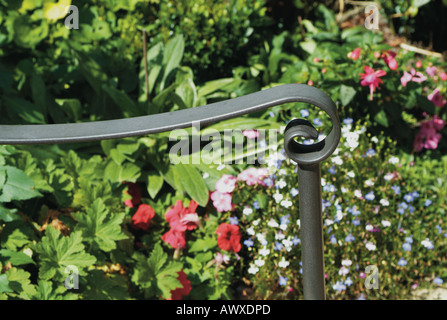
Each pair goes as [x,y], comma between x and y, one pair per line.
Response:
[193,183]
[56,252]
[382,118]
[203,244]
[18,186]
[347,93]
[100,227]
[16,258]
[157,259]
[4,284]
[124,172]
[24,109]
[122,100]
[172,57]
[20,283]
[27,33]
[154,183]
[214,85]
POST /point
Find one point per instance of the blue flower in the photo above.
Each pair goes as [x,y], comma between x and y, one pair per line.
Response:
[329,188]
[348,121]
[356,222]
[402,262]
[333,239]
[317,122]
[332,170]
[427,202]
[438,281]
[339,286]
[233,220]
[415,194]
[349,238]
[249,243]
[348,282]
[354,211]
[396,189]
[282,281]
[438,227]
[409,239]
[268,181]
[256,204]
[411,208]
[406,246]
[278,246]
[284,219]
[296,241]
[304,113]
[362,297]
[408,197]
[370,196]
[371,152]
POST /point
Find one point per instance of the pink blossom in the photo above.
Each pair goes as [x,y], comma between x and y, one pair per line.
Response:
[436,98]
[419,64]
[371,79]
[412,76]
[443,76]
[428,136]
[253,176]
[354,54]
[226,183]
[388,57]
[222,201]
[431,71]
[251,134]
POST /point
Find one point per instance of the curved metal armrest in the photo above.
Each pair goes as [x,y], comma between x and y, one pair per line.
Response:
[137,126]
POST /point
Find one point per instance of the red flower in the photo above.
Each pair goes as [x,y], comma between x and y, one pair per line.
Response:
[142,218]
[371,79]
[229,237]
[134,191]
[175,238]
[181,218]
[178,293]
[388,57]
[355,54]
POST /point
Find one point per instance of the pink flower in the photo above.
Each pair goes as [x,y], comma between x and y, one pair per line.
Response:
[428,137]
[443,76]
[431,71]
[182,219]
[436,98]
[253,176]
[354,54]
[175,238]
[388,57]
[412,76]
[371,79]
[251,134]
[222,201]
[226,183]
[419,64]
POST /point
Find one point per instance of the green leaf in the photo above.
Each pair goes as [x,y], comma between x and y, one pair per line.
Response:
[203,245]
[154,183]
[128,106]
[125,172]
[24,109]
[20,283]
[18,186]
[193,183]
[4,284]
[100,227]
[16,258]
[157,259]
[56,252]
[382,118]
[347,93]
[28,34]
[172,57]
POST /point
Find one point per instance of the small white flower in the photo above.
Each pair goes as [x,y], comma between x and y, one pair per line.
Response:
[375,140]
[279,236]
[346,262]
[352,140]
[280,184]
[323,182]
[259,262]
[264,252]
[384,202]
[282,172]
[220,167]
[386,223]
[286,203]
[339,215]
[370,246]
[427,243]
[369,183]
[358,193]
[343,271]
[283,263]
[394,160]
[344,190]
[328,222]
[298,223]
[294,192]
[261,239]
[205,175]
[250,231]
[272,223]
[351,174]
[388,176]
[287,243]
[247,211]
[256,222]
[337,160]
[369,227]
[278,197]
[253,269]
[283,227]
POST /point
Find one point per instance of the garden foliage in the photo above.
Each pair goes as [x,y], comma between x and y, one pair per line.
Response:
[137,226]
